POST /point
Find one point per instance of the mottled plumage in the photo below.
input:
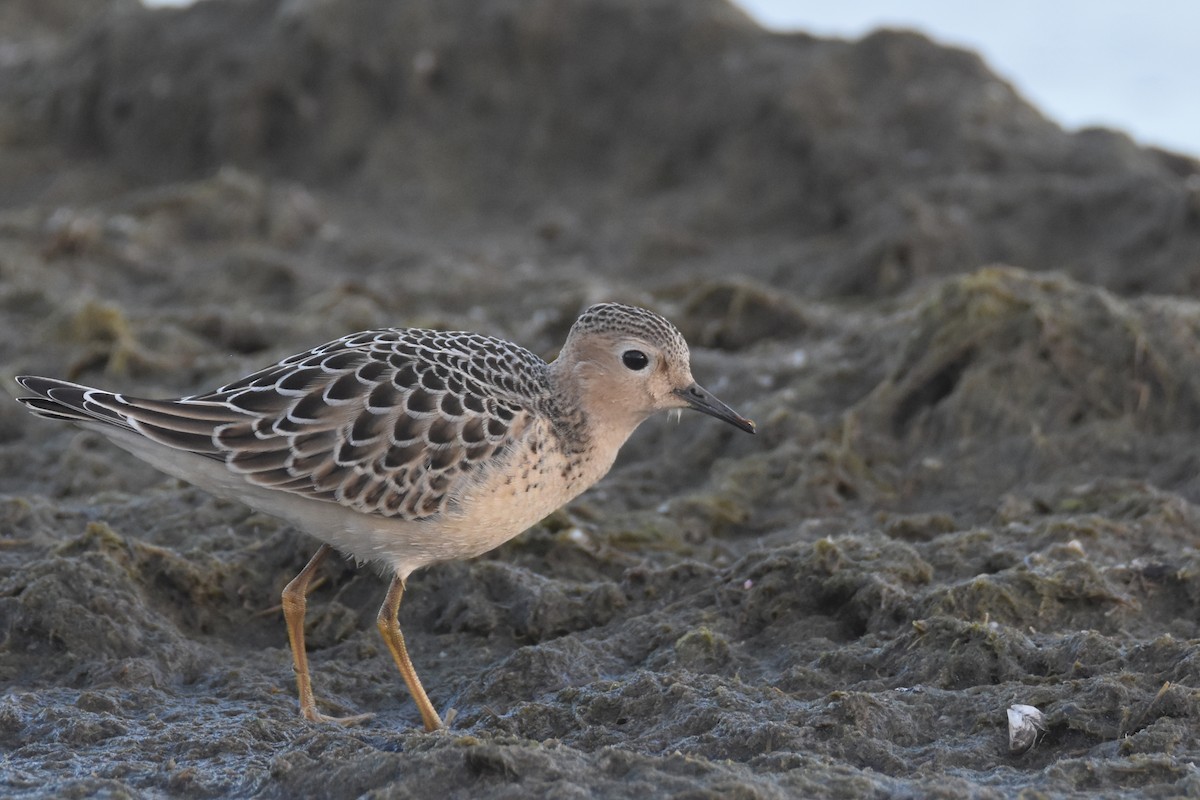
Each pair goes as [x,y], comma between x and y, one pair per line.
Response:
[407,446]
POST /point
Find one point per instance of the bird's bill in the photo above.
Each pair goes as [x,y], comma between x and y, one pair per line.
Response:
[701,399]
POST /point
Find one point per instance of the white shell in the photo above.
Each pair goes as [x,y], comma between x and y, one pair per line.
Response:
[1024,724]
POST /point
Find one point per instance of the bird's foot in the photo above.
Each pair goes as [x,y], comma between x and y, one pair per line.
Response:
[312,715]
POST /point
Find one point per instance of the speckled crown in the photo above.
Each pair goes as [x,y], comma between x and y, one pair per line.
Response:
[632,321]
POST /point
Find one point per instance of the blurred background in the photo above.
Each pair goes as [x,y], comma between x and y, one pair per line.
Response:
[1109,63]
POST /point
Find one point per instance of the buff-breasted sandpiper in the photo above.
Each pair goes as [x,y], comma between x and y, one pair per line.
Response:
[407,446]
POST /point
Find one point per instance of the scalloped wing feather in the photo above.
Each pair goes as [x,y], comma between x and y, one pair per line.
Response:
[395,422]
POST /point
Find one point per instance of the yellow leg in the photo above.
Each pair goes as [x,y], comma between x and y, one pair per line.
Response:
[294,604]
[389,626]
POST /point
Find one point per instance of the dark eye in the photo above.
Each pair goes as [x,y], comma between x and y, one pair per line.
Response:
[635,359]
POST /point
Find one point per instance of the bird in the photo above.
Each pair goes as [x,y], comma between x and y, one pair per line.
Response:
[406,446]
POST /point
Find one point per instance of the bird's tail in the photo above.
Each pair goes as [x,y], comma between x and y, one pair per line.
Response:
[63,400]
[183,424]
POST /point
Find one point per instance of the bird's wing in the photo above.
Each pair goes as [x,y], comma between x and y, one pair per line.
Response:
[391,422]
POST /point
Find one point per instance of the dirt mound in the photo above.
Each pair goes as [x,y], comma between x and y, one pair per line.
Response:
[828,167]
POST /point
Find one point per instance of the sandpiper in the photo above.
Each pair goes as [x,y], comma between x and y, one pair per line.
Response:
[406,446]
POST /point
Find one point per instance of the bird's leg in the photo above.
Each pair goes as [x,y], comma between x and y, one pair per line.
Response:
[389,626]
[294,604]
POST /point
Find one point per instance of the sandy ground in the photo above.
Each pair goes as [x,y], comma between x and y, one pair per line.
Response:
[969,339]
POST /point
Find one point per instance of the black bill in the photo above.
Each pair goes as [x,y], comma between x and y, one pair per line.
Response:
[699,398]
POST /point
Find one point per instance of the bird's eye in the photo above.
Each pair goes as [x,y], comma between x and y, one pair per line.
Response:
[635,359]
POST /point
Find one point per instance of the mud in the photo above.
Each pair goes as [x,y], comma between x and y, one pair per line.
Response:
[968,338]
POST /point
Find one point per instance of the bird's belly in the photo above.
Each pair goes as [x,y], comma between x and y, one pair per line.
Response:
[501,504]
[509,501]
[506,501]
[484,518]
